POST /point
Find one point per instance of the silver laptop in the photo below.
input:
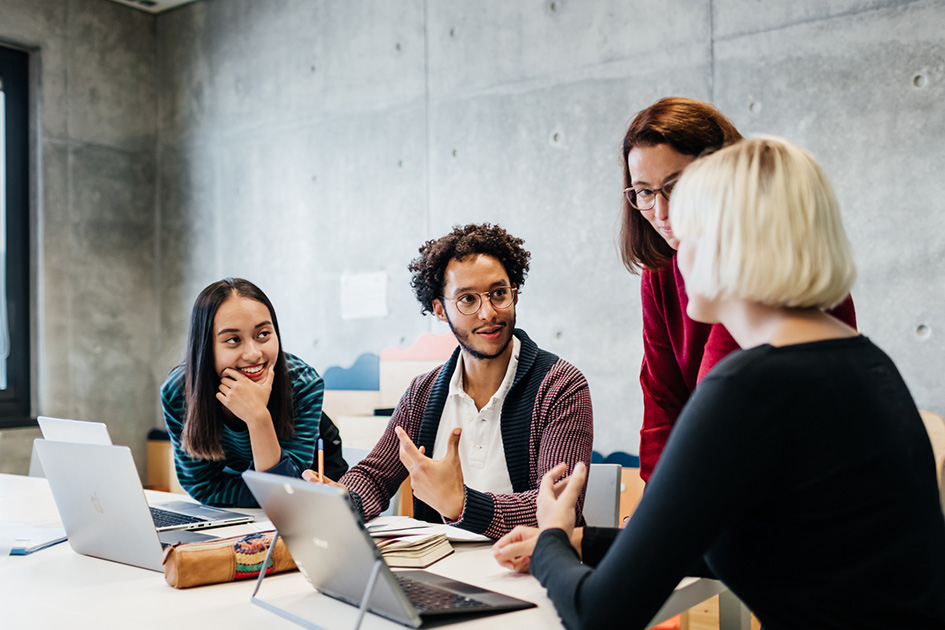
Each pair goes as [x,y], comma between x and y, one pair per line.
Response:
[63,430]
[167,516]
[335,553]
[104,510]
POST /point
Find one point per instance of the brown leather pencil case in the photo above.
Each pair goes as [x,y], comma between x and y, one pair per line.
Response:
[223,560]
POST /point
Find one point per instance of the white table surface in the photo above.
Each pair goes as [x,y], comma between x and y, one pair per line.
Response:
[58,588]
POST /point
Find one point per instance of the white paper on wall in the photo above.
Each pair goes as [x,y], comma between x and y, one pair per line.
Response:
[363,295]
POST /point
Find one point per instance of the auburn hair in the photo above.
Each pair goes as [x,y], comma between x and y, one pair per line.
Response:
[690,127]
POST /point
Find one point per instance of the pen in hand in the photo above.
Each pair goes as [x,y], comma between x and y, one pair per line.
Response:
[321,460]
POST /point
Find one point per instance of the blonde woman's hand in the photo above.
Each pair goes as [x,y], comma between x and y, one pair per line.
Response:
[557,499]
[514,550]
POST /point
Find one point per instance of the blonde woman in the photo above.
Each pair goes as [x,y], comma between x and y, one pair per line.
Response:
[799,470]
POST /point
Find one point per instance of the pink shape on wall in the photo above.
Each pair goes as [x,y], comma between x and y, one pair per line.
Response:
[427,347]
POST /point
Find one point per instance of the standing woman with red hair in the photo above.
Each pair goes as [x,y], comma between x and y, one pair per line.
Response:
[661,141]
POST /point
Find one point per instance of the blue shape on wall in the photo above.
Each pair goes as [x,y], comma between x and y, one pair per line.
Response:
[624,459]
[364,375]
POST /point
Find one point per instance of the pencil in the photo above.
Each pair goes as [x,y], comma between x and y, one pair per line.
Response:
[321,460]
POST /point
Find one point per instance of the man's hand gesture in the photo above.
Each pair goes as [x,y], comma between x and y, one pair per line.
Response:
[436,482]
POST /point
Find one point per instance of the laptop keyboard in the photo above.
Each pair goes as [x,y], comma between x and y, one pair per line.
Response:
[429,598]
[163,518]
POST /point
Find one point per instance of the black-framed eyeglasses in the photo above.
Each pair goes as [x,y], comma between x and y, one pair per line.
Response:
[470,303]
[645,198]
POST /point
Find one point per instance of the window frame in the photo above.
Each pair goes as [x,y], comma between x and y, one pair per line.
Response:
[16,399]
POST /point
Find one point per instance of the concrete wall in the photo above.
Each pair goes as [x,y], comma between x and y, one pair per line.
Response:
[93,143]
[298,140]
[861,84]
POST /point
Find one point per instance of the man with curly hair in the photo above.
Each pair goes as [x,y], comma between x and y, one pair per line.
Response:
[477,433]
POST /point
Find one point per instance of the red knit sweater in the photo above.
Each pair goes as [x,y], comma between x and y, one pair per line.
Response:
[677,353]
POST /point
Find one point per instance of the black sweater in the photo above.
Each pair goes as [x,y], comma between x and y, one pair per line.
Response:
[805,478]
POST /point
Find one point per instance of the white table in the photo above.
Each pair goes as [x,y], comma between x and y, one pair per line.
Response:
[58,588]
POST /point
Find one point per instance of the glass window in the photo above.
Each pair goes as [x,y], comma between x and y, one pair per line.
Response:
[14,239]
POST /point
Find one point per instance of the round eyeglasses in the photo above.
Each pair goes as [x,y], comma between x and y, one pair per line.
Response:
[470,303]
[645,198]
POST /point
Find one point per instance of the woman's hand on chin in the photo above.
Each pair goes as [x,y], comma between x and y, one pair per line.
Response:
[245,398]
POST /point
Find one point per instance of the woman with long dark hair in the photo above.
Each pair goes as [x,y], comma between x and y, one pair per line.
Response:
[239,401]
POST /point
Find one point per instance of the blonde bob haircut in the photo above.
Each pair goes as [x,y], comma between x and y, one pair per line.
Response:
[767,225]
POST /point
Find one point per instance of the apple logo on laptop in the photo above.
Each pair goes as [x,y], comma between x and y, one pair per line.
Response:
[97,504]
[319,542]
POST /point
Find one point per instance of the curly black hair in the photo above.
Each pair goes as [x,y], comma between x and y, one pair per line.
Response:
[428,269]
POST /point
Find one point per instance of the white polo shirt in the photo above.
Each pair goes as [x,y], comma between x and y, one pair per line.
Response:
[481,453]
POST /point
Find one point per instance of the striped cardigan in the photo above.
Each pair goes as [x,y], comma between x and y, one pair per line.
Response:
[218,482]
[546,419]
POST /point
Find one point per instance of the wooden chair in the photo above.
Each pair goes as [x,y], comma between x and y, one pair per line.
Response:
[935,426]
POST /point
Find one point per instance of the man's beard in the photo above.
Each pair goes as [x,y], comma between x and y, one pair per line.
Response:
[463,340]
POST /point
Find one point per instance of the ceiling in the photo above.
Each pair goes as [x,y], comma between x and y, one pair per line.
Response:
[153,6]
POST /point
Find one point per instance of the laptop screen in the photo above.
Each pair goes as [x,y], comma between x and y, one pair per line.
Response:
[329,543]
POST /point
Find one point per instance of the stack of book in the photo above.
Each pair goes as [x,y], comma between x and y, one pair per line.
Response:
[414,551]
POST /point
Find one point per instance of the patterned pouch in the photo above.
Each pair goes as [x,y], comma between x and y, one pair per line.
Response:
[223,560]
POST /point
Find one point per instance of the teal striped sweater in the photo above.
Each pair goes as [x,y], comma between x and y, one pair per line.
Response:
[218,482]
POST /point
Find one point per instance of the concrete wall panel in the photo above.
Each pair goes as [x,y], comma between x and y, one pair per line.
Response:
[277,207]
[94,124]
[54,381]
[294,141]
[864,94]
[41,28]
[110,65]
[236,67]
[479,45]
[542,159]
[32,21]
[186,247]
[113,302]
[734,18]
[312,220]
